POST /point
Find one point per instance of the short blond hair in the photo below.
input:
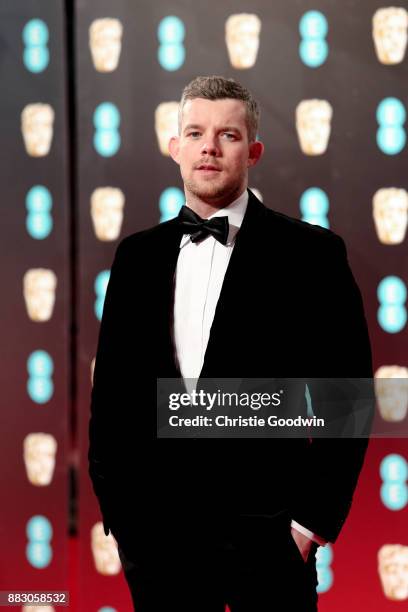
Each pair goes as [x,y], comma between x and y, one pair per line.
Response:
[220,88]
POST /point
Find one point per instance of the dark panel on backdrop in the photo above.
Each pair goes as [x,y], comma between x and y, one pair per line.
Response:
[34,349]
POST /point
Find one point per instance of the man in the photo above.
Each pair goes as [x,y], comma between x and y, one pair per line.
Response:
[230,288]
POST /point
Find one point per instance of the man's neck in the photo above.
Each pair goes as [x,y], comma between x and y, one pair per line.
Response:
[207,208]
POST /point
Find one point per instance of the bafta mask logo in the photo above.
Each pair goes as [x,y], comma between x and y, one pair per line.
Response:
[107,205]
[38,609]
[393,570]
[39,458]
[105,42]
[92,370]
[37,124]
[105,552]
[242,38]
[390,212]
[390,34]
[391,390]
[39,286]
[166,124]
[313,125]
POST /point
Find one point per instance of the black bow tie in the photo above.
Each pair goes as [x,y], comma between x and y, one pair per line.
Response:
[200,228]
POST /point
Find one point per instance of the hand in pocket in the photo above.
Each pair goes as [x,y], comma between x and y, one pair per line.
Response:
[302,542]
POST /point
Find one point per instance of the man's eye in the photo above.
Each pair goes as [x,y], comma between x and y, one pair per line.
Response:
[194,134]
[229,135]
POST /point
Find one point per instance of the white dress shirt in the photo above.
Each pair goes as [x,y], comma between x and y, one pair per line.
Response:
[200,272]
[201,267]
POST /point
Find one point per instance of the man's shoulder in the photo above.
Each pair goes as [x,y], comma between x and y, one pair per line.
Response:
[294,232]
[299,233]
[297,227]
[147,236]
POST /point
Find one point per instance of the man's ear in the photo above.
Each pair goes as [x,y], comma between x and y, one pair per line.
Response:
[256,150]
[174,148]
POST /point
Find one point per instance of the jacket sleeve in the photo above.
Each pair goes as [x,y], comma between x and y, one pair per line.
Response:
[343,395]
[108,377]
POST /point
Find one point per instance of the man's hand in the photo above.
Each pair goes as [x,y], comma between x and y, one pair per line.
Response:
[303,543]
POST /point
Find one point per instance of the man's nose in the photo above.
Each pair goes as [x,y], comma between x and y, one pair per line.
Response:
[210,147]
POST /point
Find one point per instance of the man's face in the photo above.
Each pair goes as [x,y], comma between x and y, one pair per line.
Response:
[213,149]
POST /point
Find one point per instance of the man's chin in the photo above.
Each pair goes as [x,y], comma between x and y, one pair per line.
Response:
[209,193]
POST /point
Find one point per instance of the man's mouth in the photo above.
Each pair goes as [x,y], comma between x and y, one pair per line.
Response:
[208,168]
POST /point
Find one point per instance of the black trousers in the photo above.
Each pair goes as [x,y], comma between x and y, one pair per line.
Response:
[256,566]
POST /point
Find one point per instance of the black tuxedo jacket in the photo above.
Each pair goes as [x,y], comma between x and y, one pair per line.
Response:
[289,307]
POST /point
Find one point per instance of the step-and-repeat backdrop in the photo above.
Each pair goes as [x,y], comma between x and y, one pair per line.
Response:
[331,82]
[35,297]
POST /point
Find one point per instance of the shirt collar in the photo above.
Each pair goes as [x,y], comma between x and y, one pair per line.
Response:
[235,213]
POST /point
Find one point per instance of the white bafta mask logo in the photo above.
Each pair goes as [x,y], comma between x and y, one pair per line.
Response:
[92,370]
[105,552]
[37,124]
[39,458]
[39,286]
[393,570]
[390,34]
[166,124]
[38,609]
[107,205]
[242,39]
[105,42]
[313,125]
[390,212]
[391,390]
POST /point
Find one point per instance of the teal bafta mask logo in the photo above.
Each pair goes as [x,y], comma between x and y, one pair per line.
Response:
[36,55]
[324,558]
[170,202]
[39,534]
[314,207]
[313,48]
[106,121]
[391,135]
[392,313]
[40,368]
[394,475]
[39,222]
[100,286]
[171,52]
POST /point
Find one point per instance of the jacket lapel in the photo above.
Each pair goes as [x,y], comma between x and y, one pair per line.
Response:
[230,311]
[237,283]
